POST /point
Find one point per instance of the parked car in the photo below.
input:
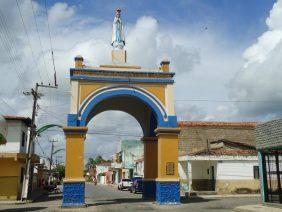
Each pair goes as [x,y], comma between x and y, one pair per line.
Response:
[124,184]
[137,185]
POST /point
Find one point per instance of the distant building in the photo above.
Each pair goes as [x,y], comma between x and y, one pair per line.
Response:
[219,157]
[124,162]
[103,173]
[13,156]
[131,150]
[269,145]
[139,167]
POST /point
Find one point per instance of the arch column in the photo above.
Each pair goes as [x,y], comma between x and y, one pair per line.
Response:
[167,182]
[150,167]
[74,182]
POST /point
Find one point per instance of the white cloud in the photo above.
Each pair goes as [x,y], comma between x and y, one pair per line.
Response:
[261,76]
[59,12]
[202,62]
[189,112]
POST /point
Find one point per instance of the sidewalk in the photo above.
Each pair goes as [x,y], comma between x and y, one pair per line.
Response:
[226,196]
[257,208]
[32,197]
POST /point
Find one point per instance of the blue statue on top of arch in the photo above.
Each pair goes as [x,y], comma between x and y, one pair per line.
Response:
[118,39]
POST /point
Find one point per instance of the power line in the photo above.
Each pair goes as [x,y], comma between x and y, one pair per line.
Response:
[40,146]
[54,115]
[212,100]
[6,36]
[102,133]
[52,50]
[8,105]
[28,39]
[36,26]
[232,101]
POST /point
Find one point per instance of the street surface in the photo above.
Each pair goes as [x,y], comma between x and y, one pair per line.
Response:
[108,198]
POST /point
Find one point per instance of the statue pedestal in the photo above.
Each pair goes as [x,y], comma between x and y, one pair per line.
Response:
[118,56]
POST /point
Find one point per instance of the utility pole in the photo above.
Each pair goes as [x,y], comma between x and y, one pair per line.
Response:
[36,95]
[51,160]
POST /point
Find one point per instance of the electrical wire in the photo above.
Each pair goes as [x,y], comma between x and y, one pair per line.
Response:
[6,37]
[51,45]
[40,146]
[28,39]
[101,133]
[231,101]
[8,105]
[54,115]
[212,100]
[36,26]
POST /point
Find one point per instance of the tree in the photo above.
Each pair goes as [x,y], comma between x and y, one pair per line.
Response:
[59,171]
[93,162]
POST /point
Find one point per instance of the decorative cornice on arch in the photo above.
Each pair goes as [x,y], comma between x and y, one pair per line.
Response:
[113,91]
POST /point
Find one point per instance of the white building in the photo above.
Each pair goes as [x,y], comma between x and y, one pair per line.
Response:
[13,156]
[103,172]
[223,170]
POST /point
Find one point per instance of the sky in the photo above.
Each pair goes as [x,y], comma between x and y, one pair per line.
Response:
[226,56]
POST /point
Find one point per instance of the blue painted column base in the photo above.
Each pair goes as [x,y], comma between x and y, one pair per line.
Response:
[168,192]
[73,194]
[149,189]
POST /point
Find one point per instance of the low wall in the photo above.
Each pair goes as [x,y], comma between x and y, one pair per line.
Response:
[226,186]
[237,186]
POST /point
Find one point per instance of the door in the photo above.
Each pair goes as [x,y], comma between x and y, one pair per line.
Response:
[212,178]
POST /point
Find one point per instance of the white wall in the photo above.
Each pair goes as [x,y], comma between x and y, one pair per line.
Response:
[200,169]
[183,169]
[101,169]
[14,137]
[236,170]
[139,170]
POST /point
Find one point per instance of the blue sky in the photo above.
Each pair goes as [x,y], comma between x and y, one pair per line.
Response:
[219,49]
[242,20]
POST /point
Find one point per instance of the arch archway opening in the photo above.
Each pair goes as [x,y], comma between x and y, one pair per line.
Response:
[142,112]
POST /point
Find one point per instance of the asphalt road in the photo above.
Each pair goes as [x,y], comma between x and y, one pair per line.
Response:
[108,198]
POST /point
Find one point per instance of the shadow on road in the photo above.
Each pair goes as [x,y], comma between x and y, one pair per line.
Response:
[118,201]
[24,209]
[189,200]
[49,197]
[134,200]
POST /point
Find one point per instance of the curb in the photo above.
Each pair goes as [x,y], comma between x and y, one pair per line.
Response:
[227,196]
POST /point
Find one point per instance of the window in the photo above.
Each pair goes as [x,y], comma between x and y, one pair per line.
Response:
[23,138]
[256,172]
[22,174]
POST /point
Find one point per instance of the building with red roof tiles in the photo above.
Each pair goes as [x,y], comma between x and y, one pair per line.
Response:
[219,157]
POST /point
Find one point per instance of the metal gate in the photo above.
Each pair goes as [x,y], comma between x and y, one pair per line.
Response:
[273,169]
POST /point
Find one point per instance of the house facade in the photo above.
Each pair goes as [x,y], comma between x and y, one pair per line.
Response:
[131,151]
[13,156]
[103,173]
[218,157]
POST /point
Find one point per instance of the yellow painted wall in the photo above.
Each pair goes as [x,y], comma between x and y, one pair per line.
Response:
[150,159]
[167,152]
[9,178]
[9,167]
[9,188]
[87,88]
[74,156]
